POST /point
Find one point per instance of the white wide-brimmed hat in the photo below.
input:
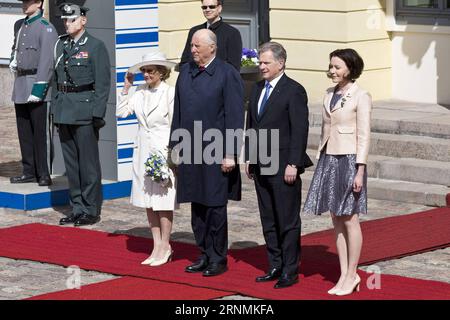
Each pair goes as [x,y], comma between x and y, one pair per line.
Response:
[152,58]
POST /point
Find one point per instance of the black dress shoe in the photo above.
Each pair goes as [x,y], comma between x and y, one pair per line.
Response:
[22,179]
[286,280]
[271,275]
[45,181]
[198,266]
[69,219]
[86,219]
[214,269]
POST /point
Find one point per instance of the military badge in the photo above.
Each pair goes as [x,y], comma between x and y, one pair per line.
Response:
[67,8]
[82,55]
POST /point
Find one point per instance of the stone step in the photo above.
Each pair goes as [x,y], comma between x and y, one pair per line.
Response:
[404,169]
[421,120]
[399,146]
[401,191]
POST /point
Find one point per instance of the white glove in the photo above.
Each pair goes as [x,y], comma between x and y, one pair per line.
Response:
[32,98]
[13,66]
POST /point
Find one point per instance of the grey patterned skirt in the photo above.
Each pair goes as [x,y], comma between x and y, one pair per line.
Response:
[331,188]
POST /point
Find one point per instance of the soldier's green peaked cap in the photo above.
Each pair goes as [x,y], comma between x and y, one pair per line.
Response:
[72,11]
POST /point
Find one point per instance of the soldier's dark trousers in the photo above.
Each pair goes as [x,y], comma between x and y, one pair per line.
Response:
[81,158]
[211,231]
[31,128]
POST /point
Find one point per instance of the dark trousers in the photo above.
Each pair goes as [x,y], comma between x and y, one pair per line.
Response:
[81,159]
[210,228]
[31,128]
[279,207]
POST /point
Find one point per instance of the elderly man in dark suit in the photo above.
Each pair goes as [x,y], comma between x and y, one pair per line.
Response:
[229,41]
[278,104]
[208,100]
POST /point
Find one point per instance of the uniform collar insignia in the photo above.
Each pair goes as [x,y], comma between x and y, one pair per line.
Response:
[29,20]
[83,40]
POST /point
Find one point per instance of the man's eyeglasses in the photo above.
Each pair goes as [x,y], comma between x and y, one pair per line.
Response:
[212,7]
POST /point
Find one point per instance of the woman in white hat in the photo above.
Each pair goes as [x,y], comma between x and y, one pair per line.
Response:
[152,103]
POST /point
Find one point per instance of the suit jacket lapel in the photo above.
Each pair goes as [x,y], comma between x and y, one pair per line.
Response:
[259,89]
[328,101]
[347,95]
[155,99]
[78,46]
[273,96]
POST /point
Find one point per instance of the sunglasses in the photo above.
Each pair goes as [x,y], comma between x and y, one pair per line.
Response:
[212,7]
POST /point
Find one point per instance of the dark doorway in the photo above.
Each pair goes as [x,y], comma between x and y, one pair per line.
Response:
[251,18]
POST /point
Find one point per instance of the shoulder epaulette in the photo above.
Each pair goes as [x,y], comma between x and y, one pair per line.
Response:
[45,22]
[63,36]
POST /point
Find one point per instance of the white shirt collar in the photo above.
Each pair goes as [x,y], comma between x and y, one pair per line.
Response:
[206,66]
[274,82]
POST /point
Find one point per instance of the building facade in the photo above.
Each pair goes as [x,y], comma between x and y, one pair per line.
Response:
[404,43]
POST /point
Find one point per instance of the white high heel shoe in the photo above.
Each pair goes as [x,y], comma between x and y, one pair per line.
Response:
[167,257]
[333,290]
[148,261]
[355,286]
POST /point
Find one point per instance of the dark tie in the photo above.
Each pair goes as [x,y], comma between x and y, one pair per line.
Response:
[72,44]
[265,98]
[202,68]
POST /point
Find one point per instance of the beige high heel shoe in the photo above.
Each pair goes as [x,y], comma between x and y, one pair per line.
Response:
[148,261]
[333,290]
[167,257]
[355,286]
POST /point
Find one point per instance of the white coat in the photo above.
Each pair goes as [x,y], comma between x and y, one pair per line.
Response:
[153,109]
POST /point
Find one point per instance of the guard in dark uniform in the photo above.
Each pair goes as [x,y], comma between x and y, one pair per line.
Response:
[81,86]
[32,64]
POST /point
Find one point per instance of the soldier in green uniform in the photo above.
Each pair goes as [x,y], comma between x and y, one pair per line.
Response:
[81,86]
[32,64]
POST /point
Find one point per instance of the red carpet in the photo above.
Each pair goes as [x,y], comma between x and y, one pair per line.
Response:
[130,288]
[395,237]
[121,255]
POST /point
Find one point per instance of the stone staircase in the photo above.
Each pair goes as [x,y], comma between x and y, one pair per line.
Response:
[409,157]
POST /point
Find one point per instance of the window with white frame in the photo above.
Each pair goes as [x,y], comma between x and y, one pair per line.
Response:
[11,6]
[434,12]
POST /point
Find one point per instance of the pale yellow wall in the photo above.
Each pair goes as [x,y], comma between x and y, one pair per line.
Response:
[176,17]
[420,67]
[310,30]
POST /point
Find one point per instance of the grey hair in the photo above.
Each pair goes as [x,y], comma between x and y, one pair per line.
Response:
[212,38]
[278,51]
[208,36]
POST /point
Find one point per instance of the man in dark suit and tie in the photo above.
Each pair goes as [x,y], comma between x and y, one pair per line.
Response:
[278,104]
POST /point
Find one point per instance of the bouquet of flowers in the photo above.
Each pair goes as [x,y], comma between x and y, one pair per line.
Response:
[249,57]
[157,169]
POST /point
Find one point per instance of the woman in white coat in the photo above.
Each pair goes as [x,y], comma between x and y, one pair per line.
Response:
[152,103]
